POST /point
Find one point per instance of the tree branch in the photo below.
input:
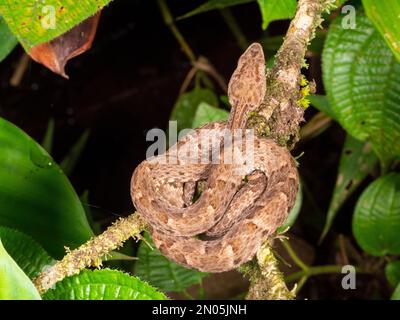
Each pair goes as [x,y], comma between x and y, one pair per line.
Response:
[279,117]
[92,252]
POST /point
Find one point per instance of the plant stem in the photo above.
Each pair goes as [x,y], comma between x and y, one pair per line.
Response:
[313,271]
[169,21]
[294,256]
[233,25]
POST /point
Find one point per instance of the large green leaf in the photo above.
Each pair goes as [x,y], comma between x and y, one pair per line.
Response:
[276,10]
[392,272]
[14,283]
[361,79]
[206,114]
[103,284]
[35,196]
[25,251]
[376,221]
[186,106]
[386,17]
[356,162]
[153,267]
[7,40]
[31,20]
[213,5]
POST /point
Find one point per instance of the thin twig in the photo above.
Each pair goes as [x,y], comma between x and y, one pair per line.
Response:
[169,21]
[20,70]
[233,25]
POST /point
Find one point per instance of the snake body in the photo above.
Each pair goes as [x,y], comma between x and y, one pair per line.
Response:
[242,203]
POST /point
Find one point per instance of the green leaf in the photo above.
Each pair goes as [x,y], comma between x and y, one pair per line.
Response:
[376,221]
[206,113]
[322,104]
[392,272]
[396,293]
[213,5]
[47,142]
[26,252]
[356,162]
[7,40]
[14,283]
[294,213]
[31,21]
[69,162]
[361,79]
[35,195]
[103,284]
[153,267]
[187,104]
[386,17]
[276,10]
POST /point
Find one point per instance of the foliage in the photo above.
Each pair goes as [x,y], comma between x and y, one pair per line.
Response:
[103,284]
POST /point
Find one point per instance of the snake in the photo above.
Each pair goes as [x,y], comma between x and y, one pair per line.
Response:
[214,216]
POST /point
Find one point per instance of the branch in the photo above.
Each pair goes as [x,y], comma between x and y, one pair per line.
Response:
[92,252]
[279,118]
[280,114]
[267,282]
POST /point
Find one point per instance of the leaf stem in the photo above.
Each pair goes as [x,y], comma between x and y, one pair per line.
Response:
[233,25]
[169,21]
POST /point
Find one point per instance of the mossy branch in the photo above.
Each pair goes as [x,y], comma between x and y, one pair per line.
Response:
[91,253]
[279,117]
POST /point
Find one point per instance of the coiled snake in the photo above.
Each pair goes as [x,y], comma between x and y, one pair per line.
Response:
[242,203]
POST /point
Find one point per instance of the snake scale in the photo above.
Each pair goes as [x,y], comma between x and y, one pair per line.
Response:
[241,204]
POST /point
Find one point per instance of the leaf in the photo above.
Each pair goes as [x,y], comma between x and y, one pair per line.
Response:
[213,5]
[25,251]
[69,162]
[187,104]
[206,113]
[396,293]
[35,195]
[55,54]
[376,221]
[7,40]
[37,22]
[14,283]
[385,15]
[153,267]
[322,104]
[356,162]
[392,272]
[103,284]
[361,79]
[47,142]
[276,10]
[294,213]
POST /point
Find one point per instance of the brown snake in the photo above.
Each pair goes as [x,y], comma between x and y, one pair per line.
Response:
[238,209]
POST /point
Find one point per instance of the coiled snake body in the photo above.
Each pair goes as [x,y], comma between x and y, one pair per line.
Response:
[241,204]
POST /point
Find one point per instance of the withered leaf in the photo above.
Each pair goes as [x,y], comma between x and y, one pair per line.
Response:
[56,53]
